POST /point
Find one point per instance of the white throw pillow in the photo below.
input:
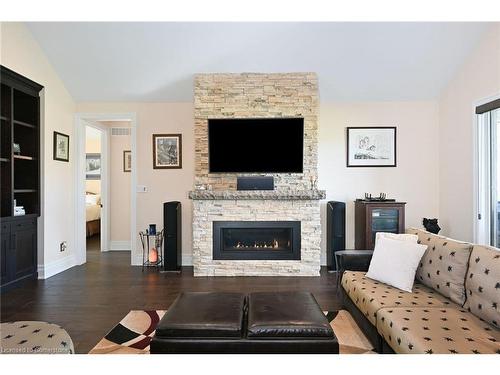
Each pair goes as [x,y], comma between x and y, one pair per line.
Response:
[400,237]
[395,262]
[91,199]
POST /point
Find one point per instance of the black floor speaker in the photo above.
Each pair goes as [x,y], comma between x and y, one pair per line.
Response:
[335,231]
[172,224]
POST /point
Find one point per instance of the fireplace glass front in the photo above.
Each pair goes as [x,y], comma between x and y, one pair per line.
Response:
[256,240]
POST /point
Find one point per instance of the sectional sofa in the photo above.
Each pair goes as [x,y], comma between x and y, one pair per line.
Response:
[453,308]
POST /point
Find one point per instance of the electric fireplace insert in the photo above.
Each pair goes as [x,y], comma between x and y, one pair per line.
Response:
[256,240]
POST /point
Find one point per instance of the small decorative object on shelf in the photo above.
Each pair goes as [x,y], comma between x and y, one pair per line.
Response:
[18,210]
[152,245]
[16,148]
[314,183]
[382,197]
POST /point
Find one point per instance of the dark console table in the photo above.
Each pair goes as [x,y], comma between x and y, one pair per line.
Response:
[371,217]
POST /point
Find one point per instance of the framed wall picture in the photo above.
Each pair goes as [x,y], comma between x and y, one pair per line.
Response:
[371,146]
[127,161]
[167,151]
[93,166]
[61,147]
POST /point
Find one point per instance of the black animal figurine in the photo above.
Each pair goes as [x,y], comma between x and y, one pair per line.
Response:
[431,225]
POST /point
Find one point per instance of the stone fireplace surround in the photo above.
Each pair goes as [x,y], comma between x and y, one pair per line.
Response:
[295,198]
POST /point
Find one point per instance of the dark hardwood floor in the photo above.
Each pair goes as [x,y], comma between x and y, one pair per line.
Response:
[89,300]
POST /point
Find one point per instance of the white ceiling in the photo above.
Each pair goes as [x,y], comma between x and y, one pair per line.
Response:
[354,61]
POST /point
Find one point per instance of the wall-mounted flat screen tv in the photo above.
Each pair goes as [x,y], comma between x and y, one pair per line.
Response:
[264,145]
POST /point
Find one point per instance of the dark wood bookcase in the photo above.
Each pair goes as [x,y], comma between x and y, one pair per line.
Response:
[19,176]
[371,217]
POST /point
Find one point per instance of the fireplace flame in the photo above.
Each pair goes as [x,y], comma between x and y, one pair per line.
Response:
[259,245]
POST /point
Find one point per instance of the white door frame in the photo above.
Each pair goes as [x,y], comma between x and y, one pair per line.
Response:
[80,121]
[479,232]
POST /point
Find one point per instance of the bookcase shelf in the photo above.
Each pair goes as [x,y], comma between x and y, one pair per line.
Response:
[22,157]
[25,124]
[19,176]
[20,124]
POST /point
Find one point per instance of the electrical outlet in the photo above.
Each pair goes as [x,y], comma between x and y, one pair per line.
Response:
[63,246]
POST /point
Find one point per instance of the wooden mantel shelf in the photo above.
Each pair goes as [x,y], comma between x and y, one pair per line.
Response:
[257,195]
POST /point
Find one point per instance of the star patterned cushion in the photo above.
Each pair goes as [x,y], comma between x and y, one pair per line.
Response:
[370,296]
[483,284]
[32,337]
[444,265]
[436,330]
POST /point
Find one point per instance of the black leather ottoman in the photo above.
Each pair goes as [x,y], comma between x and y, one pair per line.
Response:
[289,322]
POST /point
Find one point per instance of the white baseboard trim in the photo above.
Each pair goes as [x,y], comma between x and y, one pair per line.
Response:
[187,260]
[119,246]
[137,260]
[57,266]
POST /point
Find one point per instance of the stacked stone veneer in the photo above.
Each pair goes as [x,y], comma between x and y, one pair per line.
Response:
[253,95]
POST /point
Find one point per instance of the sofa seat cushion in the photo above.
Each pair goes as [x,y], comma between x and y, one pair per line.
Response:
[444,264]
[286,315]
[483,284]
[204,315]
[436,330]
[370,295]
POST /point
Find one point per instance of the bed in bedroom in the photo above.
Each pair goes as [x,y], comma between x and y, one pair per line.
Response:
[93,214]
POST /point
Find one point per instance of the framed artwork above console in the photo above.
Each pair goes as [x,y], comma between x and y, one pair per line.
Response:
[371,146]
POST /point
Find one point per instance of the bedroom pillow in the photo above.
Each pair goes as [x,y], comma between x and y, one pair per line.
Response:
[400,237]
[91,199]
[395,262]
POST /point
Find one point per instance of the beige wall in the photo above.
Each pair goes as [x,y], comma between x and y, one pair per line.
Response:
[119,187]
[21,53]
[93,186]
[162,184]
[414,180]
[477,79]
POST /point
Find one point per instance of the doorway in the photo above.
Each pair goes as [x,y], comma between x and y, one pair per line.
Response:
[488,174]
[106,180]
[95,180]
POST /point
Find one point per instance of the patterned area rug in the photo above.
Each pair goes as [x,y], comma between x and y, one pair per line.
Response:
[134,332]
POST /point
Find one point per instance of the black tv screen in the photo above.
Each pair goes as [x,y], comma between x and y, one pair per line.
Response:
[256,145]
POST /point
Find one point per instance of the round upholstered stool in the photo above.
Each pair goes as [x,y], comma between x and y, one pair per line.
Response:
[31,337]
